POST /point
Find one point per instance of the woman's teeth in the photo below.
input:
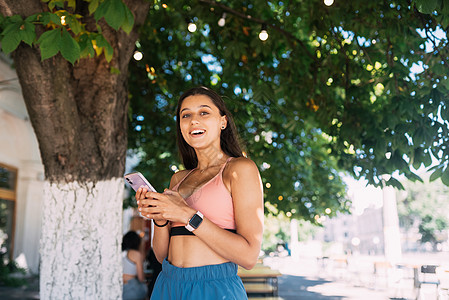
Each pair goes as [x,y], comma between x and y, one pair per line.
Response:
[196,132]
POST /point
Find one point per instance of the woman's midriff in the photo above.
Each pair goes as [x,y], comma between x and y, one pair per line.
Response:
[189,251]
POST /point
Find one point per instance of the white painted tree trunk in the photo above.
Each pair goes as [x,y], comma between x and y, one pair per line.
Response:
[81,240]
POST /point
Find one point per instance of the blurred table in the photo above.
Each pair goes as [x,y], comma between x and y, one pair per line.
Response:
[260,280]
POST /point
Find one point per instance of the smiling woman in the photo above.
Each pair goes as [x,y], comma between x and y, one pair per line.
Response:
[211,218]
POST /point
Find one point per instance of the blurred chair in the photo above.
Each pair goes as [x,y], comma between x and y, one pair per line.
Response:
[382,271]
[442,274]
[426,276]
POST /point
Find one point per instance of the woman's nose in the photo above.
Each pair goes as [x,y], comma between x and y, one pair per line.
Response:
[194,120]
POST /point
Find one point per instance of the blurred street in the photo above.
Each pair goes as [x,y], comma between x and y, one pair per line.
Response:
[309,278]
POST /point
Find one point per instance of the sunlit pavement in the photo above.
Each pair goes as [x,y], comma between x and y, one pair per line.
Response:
[307,278]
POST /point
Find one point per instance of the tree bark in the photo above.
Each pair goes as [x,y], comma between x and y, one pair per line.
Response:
[81,240]
[79,114]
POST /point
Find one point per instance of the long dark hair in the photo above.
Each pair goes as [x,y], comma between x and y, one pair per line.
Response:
[131,240]
[229,140]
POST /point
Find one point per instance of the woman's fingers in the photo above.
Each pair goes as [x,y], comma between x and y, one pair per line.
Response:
[149,202]
[150,211]
[153,195]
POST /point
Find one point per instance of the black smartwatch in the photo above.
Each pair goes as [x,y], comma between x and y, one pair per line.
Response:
[195,221]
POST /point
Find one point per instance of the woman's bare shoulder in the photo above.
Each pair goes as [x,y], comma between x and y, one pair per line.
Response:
[177,177]
[240,166]
[134,255]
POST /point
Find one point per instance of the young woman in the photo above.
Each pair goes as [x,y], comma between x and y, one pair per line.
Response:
[134,286]
[211,218]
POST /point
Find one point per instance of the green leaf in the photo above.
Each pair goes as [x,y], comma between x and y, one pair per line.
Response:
[115,16]
[395,183]
[111,10]
[69,48]
[93,5]
[445,176]
[86,47]
[32,18]
[426,6]
[103,43]
[427,159]
[71,3]
[437,174]
[11,38]
[28,33]
[74,24]
[418,136]
[48,17]
[53,3]
[413,177]
[49,43]
[114,13]
[417,158]
[128,24]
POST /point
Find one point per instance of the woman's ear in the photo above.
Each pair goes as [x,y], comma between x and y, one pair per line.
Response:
[224,122]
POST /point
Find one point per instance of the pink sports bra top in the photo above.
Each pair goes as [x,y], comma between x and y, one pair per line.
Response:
[213,200]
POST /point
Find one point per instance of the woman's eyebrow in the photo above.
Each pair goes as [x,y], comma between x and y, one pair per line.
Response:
[201,106]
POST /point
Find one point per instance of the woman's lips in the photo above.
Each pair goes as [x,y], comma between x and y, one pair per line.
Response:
[197,132]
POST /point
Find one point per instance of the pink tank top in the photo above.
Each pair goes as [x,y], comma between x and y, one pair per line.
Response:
[213,200]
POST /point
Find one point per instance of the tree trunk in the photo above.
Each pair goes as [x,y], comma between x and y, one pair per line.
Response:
[81,239]
[79,114]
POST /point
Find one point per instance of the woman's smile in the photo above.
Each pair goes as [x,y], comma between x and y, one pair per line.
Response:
[197,132]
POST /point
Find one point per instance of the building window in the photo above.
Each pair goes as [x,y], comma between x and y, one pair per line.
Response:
[8,181]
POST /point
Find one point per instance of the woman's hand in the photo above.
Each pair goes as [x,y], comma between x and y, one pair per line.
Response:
[166,206]
[140,196]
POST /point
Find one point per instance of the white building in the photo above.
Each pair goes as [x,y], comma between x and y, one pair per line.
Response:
[363,230]
[21,175]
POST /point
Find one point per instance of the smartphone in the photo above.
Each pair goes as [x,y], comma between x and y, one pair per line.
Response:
[136,180]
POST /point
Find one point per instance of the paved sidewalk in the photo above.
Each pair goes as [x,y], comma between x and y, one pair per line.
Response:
[305,279]
[302,278]
[28,292]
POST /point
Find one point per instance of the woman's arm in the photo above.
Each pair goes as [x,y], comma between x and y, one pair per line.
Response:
[137,258]
[242,248]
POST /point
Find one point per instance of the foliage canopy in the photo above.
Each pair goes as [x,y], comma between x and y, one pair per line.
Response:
[331,89]
[358,86]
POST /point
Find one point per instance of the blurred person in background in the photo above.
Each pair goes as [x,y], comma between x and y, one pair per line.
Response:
[134,283]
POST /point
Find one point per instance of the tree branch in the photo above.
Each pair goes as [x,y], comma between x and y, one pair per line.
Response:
[261,21]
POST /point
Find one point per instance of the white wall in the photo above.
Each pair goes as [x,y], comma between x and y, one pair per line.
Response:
[19,149]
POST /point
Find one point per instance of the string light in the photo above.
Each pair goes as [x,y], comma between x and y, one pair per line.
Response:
[138,55]
[63,21]
[263,35]
[328,2]
[191,27]
[222,20]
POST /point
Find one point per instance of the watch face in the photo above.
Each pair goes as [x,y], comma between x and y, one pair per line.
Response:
[195,221]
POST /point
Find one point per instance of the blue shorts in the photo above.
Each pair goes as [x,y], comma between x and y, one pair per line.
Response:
[205,282]
[134,290]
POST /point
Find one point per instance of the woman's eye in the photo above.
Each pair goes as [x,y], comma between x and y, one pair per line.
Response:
[203,113]
[185,116]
